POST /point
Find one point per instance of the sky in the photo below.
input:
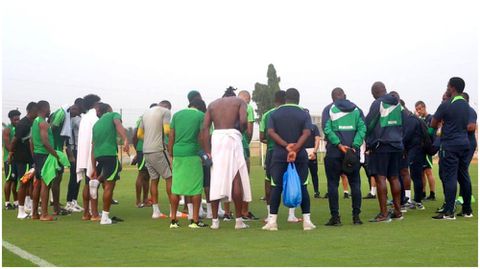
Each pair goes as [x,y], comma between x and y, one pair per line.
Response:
[134,53]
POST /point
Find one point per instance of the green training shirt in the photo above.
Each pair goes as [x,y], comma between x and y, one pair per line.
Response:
[250,118]
[58,118]
[264,129]
[187,124]
[12,134]
[104,136]
[38,146]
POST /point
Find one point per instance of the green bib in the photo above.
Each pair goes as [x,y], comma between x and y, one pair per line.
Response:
[390,115]
[38,146]
[12,134]
[343,121]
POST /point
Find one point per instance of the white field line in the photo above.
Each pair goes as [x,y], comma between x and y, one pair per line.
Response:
[26,255]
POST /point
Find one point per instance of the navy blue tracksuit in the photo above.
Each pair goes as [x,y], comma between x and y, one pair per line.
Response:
[415,155]
[343,124]
[288,121]
[454,152]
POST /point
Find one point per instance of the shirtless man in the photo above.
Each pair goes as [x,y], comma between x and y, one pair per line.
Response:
[229,175]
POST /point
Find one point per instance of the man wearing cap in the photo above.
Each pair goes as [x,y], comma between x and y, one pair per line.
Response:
[344,128]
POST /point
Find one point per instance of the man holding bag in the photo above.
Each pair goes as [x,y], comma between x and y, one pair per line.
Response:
[289,126]
[344,128]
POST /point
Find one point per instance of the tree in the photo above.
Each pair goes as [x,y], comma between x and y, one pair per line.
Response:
[264,95]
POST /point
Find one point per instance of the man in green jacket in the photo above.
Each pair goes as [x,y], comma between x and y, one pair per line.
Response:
[344,128]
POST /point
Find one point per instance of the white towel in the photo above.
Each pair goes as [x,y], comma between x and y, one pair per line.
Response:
[228,159]
[84,149]
[67,124]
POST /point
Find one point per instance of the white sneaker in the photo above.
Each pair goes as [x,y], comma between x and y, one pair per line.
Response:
[158,215]
[69,206]
[77,206]
[293,219]
[28,209]
[106,221]
[307,226]
[215,224]
[241,225]
[75,209]
[23,216]
[270,226]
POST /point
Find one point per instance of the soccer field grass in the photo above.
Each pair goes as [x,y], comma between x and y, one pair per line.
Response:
[418,240]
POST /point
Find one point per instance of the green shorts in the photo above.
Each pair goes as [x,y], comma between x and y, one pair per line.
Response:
[187,176]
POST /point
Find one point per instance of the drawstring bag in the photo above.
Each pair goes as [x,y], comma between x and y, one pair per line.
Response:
[292,191]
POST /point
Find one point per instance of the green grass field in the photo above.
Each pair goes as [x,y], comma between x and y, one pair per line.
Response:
[418,240]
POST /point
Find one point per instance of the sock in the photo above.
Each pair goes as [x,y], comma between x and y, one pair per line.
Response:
[408,194]
[7,203]
[373,191]
[306,217]
[291,212]
[190,211]
[21,210]
[105,216]
[209,209]
[156,210]
[268,210]
[15,203]
[239,220]
[273,218]
[345,191]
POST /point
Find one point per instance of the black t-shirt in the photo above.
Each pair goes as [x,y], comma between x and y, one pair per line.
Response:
[289,121]
[21,152]
[311,139]
[455,114]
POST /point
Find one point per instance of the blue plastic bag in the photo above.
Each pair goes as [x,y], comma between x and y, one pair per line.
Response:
[292,191]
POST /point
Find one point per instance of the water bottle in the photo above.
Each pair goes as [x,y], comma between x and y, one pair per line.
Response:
[205,159]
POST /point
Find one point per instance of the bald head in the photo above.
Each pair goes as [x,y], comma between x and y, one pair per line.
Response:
[338,94]
[245,96]
[378,89]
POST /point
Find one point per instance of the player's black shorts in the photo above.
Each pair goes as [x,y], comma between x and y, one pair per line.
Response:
[404,162]
[427,162]
[11,171]
[22,168]
[268,164]
[141,161]
[39,160]
[108,167]
[385,163]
